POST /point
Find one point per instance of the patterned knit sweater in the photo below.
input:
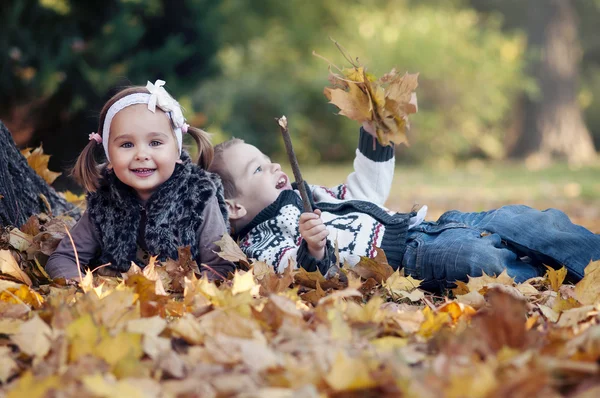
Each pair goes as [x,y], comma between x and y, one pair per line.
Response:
[352,212]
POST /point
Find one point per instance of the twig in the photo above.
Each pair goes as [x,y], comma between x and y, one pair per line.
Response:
[345,53]
[282,121]
[100,266]
[223,277]
[326,60]
[76,256]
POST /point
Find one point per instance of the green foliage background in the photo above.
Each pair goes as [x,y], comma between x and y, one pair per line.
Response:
[470,72]
[236,65]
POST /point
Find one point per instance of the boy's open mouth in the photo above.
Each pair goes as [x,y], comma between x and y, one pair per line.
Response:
[142,172]
[282,182]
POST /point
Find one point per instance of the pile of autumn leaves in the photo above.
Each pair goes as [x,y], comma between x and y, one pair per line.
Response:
[368,331]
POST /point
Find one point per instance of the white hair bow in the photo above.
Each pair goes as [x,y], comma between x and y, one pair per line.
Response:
[159,97]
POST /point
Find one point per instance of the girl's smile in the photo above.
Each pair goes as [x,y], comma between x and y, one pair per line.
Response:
[143,172]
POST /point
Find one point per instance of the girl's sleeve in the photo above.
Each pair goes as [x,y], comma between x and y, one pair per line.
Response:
[212,229]
[373,173]
[62,263]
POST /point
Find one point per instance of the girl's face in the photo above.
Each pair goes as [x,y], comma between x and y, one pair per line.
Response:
[142,148]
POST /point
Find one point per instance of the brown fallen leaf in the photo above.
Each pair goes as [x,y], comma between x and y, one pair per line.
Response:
[8,366]
[501,324]
[313,296]
[230,251]
[270,282]
[376,268]
[309,279]
[9,266]
[34,337]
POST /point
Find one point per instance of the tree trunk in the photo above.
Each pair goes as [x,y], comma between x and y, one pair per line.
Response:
[21,188]
[552,125]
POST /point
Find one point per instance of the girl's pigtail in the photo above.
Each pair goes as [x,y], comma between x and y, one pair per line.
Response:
[86,171]
[206,152]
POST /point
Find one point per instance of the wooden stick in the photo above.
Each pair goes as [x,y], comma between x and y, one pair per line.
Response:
[282,121]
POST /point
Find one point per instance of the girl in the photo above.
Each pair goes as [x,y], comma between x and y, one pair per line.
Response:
[149,198]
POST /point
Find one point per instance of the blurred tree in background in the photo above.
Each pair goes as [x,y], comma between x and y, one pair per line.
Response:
[236,65]
[549,121]
[62,59]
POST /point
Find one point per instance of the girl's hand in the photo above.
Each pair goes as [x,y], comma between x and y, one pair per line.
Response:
[314,232]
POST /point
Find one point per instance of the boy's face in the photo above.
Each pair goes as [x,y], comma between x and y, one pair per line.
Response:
[257,180]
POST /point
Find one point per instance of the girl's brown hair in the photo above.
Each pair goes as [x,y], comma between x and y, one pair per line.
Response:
[87,171]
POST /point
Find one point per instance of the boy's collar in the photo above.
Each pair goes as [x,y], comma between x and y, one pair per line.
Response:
[285,198]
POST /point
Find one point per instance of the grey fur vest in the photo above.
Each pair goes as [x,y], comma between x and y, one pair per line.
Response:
[169,219]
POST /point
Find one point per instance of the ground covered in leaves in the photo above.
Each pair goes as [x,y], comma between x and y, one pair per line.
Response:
[368,331]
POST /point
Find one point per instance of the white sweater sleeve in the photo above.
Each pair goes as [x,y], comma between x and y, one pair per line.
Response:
[373,173]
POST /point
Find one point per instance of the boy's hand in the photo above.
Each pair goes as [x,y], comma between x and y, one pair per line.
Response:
[370,128]
[314,232]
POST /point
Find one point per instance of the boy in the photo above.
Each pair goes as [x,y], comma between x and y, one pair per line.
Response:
[266,216]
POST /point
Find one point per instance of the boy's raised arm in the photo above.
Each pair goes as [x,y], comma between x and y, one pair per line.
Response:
[373,172]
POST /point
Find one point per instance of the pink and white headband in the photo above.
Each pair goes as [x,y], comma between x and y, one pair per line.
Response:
[158,96]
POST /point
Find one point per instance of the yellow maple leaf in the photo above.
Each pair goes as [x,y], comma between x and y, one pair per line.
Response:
[107,386]
[433,322]
[151,273]
[587,290]
[478,382]
[556,277]
[22,294]
[34,387]
[370,312]
[87,282]
[473,299]
[353,103]
[399,282]
[404,286]
[243,282]
[83,335]
[389,343]
[74,198]
[456,310]
[560,304]
[348,374]
[38,161]
[475,284]
[114,349]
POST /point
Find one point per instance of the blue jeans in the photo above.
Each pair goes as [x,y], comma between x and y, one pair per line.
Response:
[515,238]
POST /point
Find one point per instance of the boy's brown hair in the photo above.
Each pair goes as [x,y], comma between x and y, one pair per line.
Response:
[219,167]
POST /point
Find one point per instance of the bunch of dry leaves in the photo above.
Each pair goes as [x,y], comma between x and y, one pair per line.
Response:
[368,331]
[382,103]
